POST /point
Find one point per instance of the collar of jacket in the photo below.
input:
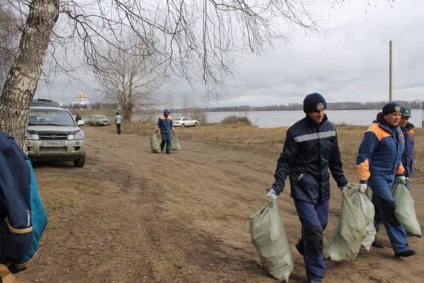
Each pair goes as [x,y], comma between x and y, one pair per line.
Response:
[383,124]
[409,126]
[313,122]
[169,117]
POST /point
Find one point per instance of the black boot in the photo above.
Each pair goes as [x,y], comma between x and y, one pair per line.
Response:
[377,244]
[406,253]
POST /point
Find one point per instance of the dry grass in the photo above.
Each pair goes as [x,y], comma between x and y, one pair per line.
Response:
[270,140]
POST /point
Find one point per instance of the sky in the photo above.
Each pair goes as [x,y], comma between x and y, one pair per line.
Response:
[347,60]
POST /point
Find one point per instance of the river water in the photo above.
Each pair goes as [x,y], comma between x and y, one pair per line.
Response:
[271,119]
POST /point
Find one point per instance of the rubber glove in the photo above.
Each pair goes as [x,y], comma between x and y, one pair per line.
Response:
[345,188]
[401,179]
[271,194]
[363,187]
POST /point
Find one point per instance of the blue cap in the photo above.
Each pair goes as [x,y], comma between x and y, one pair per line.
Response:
[314,102]
[390,108]
[166,110]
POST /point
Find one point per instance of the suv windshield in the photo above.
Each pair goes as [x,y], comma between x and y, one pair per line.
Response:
[50,117]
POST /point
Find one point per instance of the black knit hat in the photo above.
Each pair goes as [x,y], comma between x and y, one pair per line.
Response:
[314,102]
[390,108]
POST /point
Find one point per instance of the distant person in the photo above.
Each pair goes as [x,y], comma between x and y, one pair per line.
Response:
[378,166]
[408,130]
[118,122]
[77,118]
[166,128]
[310,150]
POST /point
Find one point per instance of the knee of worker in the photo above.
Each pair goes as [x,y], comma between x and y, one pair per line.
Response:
[313,237]
[388,208]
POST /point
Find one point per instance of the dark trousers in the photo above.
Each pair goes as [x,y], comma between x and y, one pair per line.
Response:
[314,218]
[166,142]
[118,128]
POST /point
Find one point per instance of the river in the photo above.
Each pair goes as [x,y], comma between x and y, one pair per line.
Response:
[271,119]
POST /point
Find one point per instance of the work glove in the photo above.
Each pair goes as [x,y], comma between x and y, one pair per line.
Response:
[271,194]
[401,179]
[345,188]
[363,187]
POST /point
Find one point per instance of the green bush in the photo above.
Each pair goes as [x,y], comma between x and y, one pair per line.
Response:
[236,120]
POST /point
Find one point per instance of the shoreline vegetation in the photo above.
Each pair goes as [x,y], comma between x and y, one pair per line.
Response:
[286,107]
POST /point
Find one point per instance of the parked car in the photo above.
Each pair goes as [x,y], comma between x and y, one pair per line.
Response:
[98,120]
[184,122]
[46,102]
[53,134]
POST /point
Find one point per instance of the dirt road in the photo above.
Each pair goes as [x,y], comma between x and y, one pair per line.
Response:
[134,216]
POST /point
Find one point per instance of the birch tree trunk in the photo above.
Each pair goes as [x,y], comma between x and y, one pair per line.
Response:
[21,82]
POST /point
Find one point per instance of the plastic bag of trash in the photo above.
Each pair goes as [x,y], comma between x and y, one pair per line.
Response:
[405,209]
[365,205]
[350,232]
[154,143]
[175,144]
[270,240]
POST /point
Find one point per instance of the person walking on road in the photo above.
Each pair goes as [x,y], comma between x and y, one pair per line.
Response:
[77,118]
[118,122]
[408,130]
[310,150]
[166,128]
[379,166]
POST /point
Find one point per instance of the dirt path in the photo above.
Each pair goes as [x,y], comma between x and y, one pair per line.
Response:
[134,216]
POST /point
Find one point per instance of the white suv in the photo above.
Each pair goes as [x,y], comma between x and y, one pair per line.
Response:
[53,134]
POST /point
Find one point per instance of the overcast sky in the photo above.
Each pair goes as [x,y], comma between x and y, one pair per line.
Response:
[348,60]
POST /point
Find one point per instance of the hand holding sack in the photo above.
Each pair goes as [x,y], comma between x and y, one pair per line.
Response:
[270,193]
[350,232]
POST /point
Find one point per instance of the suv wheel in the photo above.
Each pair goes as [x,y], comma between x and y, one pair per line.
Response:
[80,161]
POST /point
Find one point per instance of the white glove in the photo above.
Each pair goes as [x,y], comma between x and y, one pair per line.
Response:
[363,187]
[345,188]
[271,194]
[401,179]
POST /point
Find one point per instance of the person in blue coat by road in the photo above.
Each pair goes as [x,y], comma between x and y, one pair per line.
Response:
[310,151]
[166,128]
[378,166]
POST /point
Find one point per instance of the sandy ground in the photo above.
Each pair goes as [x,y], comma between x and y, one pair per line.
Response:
[131,215]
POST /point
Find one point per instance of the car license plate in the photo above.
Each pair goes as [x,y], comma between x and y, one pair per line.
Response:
[53,143]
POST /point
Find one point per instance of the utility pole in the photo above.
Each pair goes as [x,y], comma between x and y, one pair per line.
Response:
[390,70]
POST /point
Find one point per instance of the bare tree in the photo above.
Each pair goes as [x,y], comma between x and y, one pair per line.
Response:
[126,72]
[194,38]
[9,34]
[23,76]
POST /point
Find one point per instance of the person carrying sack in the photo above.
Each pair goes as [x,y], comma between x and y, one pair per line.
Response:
[310,150]
[379,166]
[166,128]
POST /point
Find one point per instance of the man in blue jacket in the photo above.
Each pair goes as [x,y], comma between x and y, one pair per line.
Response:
[310,150]
[166,128]
[378,165]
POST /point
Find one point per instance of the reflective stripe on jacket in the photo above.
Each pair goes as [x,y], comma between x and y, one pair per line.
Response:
[310,150]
